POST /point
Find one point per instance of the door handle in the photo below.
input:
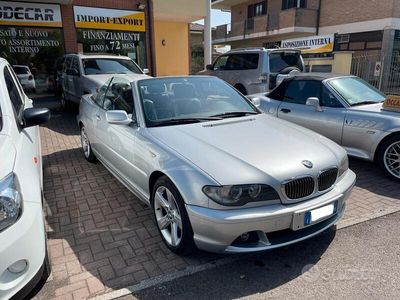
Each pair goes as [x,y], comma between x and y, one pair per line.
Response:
[285,110]
[98,117]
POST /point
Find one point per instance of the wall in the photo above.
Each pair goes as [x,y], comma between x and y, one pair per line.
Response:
[335,12]
[173,58]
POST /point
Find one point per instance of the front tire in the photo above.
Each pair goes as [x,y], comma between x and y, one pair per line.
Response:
[171,217]
[86,147]
[389,157]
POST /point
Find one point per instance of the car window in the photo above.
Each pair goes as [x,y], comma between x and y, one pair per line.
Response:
[281,60]
[328,99]
[220,63]
[356,91]
[173,99]
[102,92]
[298,91]
[119,96]
[75,64]
[21,70]
[93,66]
[14,93]
[67,63]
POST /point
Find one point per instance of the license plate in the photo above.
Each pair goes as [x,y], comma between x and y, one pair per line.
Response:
[320,213]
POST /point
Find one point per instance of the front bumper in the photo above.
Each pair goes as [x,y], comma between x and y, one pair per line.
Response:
[274,225]
[23,241]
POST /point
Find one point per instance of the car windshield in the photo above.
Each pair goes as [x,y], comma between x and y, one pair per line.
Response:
[21,70]
[356,91]
[281,60]
[183,100]
[93,66]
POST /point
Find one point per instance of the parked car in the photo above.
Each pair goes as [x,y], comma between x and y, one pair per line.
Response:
[217,173]
[343,108]
[84,74]
[256,70]
[23,253]
[26,78]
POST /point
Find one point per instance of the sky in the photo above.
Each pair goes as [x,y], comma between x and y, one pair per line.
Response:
[218,18]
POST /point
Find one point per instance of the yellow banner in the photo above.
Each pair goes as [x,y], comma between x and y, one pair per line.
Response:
[109,19]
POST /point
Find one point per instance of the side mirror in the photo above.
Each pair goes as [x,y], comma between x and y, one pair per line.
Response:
[210,67]
[314,101]
[256,101]
[146,71]
[72,72]
[35,116]
[118,117]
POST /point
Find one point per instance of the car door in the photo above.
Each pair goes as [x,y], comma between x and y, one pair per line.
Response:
[327,121]
[75,81]
[26,140]
[218,68]
[116,142]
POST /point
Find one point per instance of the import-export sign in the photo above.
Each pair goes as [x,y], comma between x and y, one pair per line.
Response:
[313,44]
[29,14]
[109,19]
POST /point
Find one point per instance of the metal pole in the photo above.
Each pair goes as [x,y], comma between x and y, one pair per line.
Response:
[207,35]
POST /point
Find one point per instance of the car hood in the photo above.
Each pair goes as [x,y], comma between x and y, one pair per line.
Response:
[7,154]
[250,149]
[374,108]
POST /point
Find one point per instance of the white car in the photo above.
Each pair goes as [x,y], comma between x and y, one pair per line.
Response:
[23,254]
[25,77]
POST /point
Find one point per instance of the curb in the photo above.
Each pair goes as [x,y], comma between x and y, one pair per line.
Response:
[148,283]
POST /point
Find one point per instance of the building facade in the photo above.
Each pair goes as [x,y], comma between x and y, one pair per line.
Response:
[154,33]
[367,25]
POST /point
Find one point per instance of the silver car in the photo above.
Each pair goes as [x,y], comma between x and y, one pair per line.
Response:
[85,74]
[256,70]
[217,173]
[343,108]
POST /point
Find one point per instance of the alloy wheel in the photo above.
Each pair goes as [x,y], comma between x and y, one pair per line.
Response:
[392,159]
[85,143]
[168,216]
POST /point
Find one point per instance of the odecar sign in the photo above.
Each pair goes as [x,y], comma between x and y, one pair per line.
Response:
[109,19]
[313,44]
[29,14]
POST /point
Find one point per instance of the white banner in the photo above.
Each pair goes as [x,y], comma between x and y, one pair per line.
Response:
[312,44]
[29,14]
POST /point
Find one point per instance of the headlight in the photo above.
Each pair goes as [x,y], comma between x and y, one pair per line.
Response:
[344,166]
[10,201]
[237,195]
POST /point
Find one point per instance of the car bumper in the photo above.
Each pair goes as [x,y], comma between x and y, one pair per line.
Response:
[270,226]
[23,241]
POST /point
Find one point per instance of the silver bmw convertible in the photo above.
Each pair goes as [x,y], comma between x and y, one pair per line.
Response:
[345,109]
[218,174]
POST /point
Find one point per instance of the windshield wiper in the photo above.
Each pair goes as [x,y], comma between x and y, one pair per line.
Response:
[234,114]
[185,121]
[366,102]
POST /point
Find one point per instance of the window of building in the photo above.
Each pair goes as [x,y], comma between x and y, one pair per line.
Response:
[258,9]
[287,4]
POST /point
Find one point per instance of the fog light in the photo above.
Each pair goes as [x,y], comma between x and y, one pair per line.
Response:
[18,266]
[244,236]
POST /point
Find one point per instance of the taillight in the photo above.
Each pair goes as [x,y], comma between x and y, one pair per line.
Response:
[30,77]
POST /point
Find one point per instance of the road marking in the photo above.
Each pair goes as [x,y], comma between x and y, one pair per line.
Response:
[148,283]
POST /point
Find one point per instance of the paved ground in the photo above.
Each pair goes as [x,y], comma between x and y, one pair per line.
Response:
[102,238]
[360,262]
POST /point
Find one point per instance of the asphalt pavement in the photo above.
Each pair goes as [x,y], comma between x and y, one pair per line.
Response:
[357,262]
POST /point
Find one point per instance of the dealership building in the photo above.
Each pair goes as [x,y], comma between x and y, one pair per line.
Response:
[154,33]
